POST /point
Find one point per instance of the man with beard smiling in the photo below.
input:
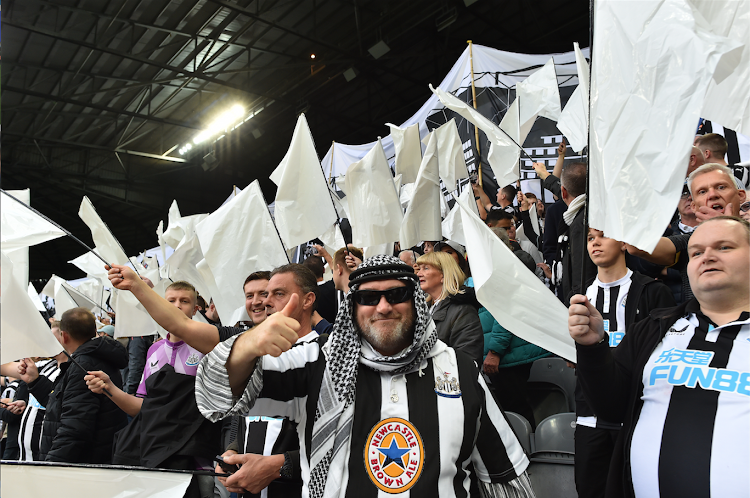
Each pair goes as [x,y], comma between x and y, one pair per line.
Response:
[381,403]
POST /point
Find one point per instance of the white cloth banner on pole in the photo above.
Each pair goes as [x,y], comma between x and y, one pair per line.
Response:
[452,226]
[538,94]
[408,151]
[303,206]
[516,307]
[132,318]
[35,299]
[104,240]
[63,300]
[21,227]
[86,482]
[374,209]
[90,265]
[24,332]
[179,226]
[422,219]
[492,68]
[653,62]
[503,155]
[728,100]
[574,119]
[450,155]
[238,239]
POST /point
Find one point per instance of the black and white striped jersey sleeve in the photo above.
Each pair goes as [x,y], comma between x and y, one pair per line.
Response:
[282,379]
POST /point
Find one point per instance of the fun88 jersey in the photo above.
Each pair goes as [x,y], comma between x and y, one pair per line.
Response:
[692,437]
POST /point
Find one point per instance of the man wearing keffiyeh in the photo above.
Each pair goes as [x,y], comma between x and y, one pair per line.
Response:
[433,425]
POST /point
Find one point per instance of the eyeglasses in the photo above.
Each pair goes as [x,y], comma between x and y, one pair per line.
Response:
[393,296]
[745,206]
[685,193]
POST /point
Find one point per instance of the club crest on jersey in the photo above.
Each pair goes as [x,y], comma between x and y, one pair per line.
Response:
[192,360]
[448,388]
[394,455]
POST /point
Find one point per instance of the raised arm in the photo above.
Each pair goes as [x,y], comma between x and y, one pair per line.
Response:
[664,254]
[201,336]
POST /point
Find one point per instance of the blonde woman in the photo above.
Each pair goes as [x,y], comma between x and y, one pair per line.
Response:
[453,306]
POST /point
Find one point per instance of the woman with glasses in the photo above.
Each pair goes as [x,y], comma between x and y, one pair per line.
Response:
[453,306]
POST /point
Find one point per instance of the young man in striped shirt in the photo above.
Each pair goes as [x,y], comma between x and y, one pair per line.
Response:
[623,297]
[381,404]
[680,380]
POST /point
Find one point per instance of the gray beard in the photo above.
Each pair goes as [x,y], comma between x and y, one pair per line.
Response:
[399,338]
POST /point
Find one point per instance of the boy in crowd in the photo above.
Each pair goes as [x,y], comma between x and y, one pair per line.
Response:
[156,438]
[623,297]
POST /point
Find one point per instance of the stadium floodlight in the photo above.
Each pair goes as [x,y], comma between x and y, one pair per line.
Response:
[224,122]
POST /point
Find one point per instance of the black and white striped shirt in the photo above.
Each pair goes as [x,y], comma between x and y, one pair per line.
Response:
[417,431]
[692,436]
[610,299]
[30,433]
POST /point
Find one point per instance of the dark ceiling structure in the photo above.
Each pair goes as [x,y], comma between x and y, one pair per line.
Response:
[98,98]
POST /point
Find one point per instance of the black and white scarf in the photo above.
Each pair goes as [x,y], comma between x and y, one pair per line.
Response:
[343,352]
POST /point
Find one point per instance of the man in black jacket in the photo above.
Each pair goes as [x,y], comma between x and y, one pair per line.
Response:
[79,426]
[680,380]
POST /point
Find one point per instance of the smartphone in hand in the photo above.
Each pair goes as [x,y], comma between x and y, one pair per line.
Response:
[226,467]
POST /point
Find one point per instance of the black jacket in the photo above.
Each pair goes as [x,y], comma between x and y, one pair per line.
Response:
[457,322]
[645,295]
[612,382]
[79,426]
[572,251]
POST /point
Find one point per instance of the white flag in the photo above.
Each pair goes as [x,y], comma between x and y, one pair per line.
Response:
[422,218]
[132,318]
[63,300]
[24,332]
[88,482]
[728,100]
[452,226]
[236,240]
[517,307]
[450,154]
[408,151]
[35,299]
[303,205]
[106,243]
[374,208]
[653,62]
[539,94]
[90,265]
[22,227]
[503,154]
[574,119]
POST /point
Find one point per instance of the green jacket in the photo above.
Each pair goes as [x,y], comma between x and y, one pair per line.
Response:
[512,349]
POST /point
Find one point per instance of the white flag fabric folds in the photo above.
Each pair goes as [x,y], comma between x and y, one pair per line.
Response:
[503,154]
[132,318]
[422,218]
[728,101]
[303,205]
[408,151]
[22,227]
[374,209]
[652,64]
[539,94]
[236,240]
[63,300]
[452,226]
[35,299]
[516,307]
[179,226]
[574,119]
[450,154]
[90,265]
[106,243]
[88,482]
[24,332]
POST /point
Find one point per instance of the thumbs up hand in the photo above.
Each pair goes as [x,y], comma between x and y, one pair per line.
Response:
[277,333]
[585,323]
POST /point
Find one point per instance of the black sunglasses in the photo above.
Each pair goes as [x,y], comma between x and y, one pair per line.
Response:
[393,296]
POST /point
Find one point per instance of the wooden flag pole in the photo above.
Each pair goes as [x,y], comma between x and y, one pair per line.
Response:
[474,99]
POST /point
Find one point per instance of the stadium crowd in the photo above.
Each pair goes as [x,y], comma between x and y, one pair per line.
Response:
[357,375]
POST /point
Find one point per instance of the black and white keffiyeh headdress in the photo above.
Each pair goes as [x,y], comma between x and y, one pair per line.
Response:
[335,410]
